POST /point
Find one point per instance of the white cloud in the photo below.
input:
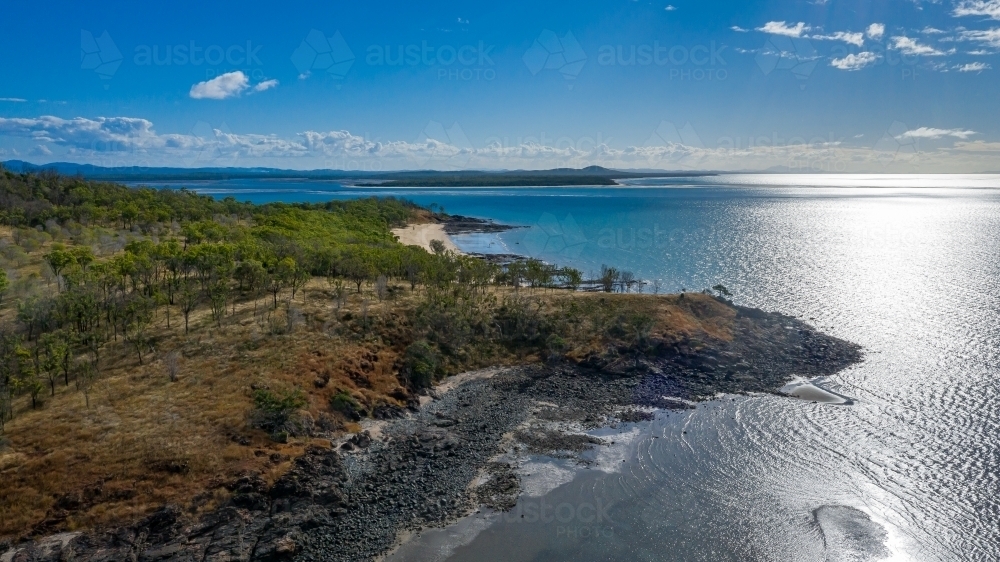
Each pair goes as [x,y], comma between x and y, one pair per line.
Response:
[133,141]
[990,37]
[228,85]
[781,28]
[739,29]
[932,133]
[989,8]
[81,132]
[875,31]
[855,62]
[857,39]
[911,47]
[15,100]
[41,150]
[931,31]
[670,8]
[266,85]
[799,30]
[978,146]
[973,67]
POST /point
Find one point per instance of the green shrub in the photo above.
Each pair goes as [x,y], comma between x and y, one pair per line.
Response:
[346,404]
[271,411]
[422,364]
[556,344]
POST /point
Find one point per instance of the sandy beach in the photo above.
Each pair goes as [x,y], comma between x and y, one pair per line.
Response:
[422,234]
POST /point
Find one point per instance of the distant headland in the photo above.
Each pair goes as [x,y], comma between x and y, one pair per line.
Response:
[558,177]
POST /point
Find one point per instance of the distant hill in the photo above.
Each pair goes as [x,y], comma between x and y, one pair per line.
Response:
[138,173]
[591,175]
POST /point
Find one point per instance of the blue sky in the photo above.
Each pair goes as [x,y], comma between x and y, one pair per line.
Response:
[869,86]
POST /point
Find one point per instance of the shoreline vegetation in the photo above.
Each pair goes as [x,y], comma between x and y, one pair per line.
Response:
[182,377]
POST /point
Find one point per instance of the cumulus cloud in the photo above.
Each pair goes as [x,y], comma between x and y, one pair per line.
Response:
[973,67]
[988,8]
[781,28]
[135,140]
[80,132]
[855,62]
[265,85]
[932,133]
[910,46]
[739,29]
[875,31]
[228,85]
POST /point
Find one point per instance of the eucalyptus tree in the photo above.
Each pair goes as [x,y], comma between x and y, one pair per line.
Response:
[4,283]
[188,298]
[58,260]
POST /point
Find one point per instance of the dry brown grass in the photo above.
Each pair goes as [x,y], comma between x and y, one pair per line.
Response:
[692,317]
[145,441]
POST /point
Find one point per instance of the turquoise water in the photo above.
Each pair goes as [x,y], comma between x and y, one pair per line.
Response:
[906,266]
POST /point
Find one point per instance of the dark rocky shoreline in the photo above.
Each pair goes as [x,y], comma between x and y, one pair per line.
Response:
[352,501]
[458,224]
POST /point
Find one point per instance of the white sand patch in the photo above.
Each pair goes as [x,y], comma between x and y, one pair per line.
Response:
[422,234]
[540,476]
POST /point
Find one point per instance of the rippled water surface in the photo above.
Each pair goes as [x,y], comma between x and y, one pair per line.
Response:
[906,266]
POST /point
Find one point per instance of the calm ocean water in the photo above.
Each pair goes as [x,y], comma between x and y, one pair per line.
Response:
[906,266]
